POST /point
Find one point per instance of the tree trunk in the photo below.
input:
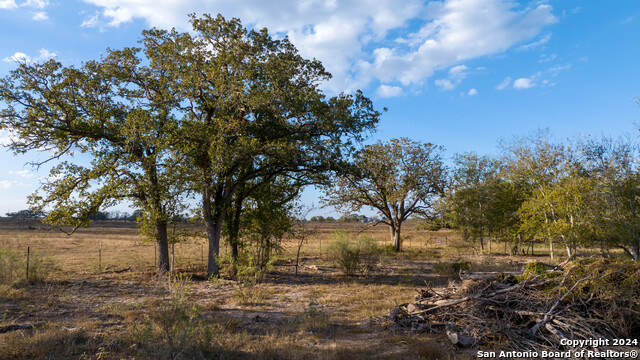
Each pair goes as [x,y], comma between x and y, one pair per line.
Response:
[233,227]
[214,233]
[395,236]
[635,251]
[162,240]
[213,221]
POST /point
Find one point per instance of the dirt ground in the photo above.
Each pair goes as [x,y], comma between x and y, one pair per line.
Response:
[102,300]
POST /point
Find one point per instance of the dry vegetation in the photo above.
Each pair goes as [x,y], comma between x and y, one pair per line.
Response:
[116,308]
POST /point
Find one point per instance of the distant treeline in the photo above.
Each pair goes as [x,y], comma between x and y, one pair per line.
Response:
[100,215]
[345,218]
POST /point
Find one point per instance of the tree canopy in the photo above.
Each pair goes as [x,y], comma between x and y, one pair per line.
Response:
[398,178]
[206,112]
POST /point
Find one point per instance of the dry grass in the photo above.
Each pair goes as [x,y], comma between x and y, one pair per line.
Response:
[318,314]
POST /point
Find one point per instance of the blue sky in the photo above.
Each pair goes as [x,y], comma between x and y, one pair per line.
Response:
[458,73]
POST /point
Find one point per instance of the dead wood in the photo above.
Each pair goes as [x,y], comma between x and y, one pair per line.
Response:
[15,327]
[486,275]
[585,300]
[117,271]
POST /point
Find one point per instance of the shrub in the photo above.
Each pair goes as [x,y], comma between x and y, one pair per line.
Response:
[352,255]
[13,266]
[451,269]
[533,268]
[175,329]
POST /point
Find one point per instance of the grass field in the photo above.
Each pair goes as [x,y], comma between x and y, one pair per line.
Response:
[99,298]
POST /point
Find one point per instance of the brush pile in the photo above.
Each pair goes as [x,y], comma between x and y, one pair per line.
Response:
[587,300]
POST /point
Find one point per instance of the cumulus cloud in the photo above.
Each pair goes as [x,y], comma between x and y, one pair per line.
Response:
[8,4]
[37,4]
[22,57]
[361,41]
[524,83]
[17,57]
[460,30]
[540,78]
[40,16]
[387,91]
[472,92]
[455,76]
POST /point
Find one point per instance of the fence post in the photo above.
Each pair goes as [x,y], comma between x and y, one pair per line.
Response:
[28,250]
[173,255]
[100,257]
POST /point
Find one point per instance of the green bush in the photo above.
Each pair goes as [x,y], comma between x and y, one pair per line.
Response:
[451,269]
[353,255]
[13,266]
[533,268]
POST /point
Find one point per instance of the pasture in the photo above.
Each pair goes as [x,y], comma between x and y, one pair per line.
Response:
[99,298]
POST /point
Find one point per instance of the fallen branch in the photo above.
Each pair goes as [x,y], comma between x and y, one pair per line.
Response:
[531,314]
[15,327]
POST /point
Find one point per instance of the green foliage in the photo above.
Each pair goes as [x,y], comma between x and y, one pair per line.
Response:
[13,267]
[353,255]
[533,268]
[219,110]
[398,178]
[480,203]
[451,269]
[26,214]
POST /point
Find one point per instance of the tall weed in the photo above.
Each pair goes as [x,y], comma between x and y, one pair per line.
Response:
[13,265]
[353,255]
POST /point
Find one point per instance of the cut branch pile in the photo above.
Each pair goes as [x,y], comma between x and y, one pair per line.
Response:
[588,299]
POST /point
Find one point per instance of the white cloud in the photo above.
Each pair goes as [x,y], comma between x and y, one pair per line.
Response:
[40,16]
[33,4]
[460,30]
[545,39]
[8,4]
[21,173]
[8,184]
[537,79]
[523,83]
[445,84]
[5,137]
[37,4]
[387,91]
[554,70]
[361,41]
[22,57]
[456,74]
[46,54]
[91,21]
[547,58]
[504,84]
[18,57]
[472,92]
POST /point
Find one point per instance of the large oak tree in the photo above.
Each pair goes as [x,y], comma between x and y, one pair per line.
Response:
[252,112]
[398,178]
[110,121]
